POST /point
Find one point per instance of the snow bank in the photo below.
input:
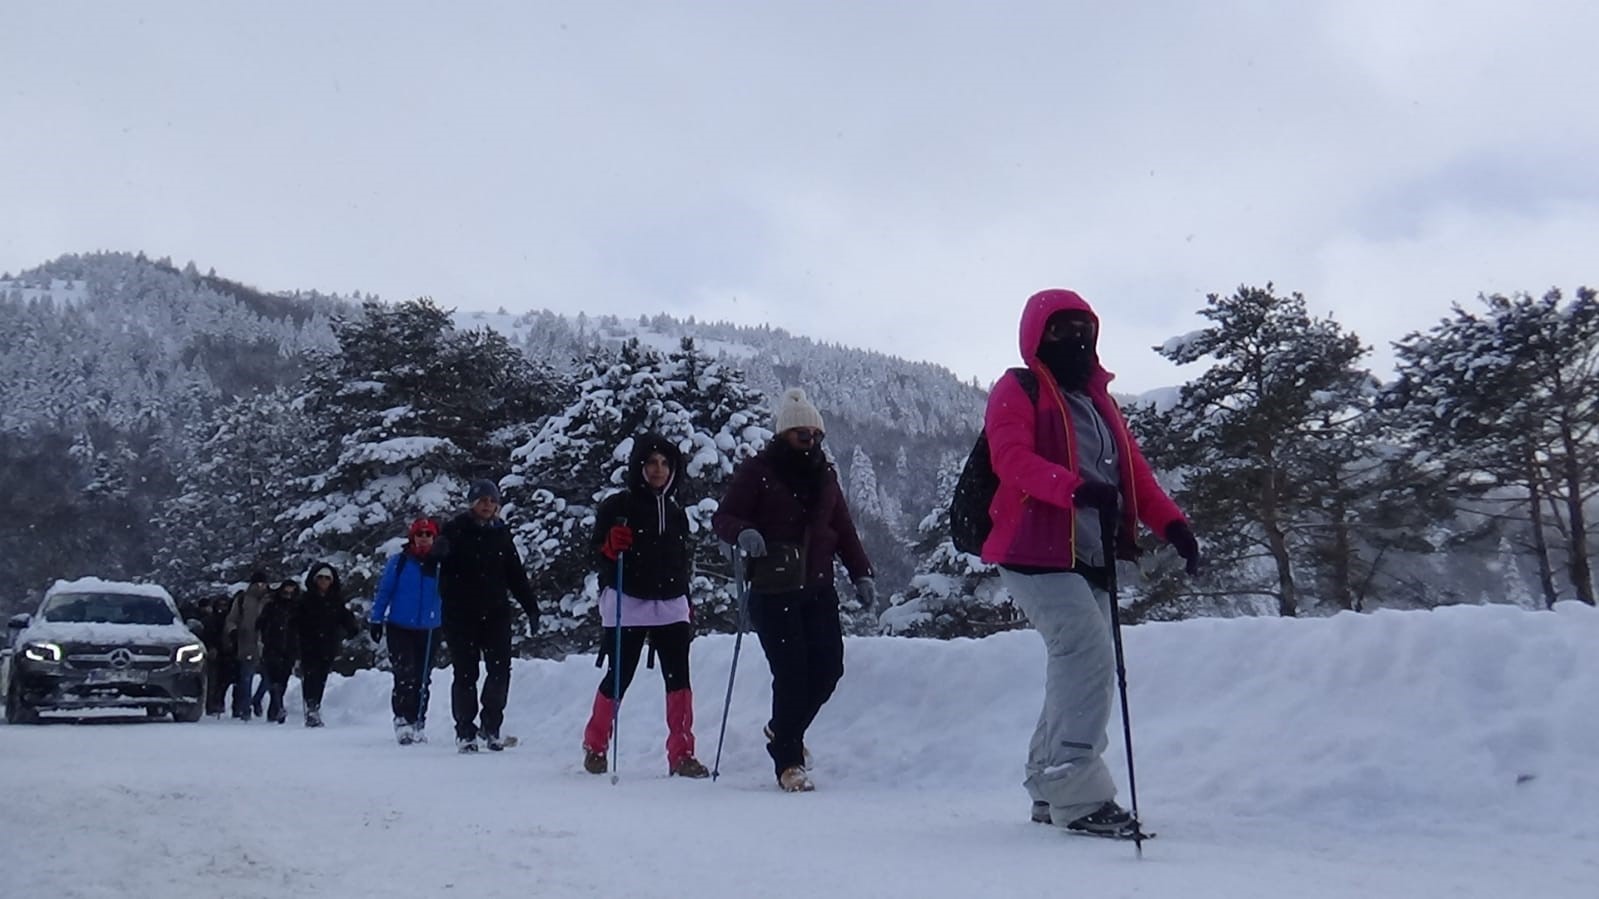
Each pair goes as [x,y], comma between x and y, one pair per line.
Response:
[1439,719]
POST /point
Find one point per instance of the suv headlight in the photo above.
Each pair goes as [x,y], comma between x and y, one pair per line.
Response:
[193,654]
[41,652]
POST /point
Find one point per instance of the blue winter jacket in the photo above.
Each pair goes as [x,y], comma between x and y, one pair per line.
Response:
[408,594]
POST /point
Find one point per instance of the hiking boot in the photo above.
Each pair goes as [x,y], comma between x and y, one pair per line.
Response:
[466,744]
[1109,818]
[1041,812]
[795,780]
[492,742]
[313,717]
[594,762]
[418,735]
[688,766]
[404,734]
[805,750]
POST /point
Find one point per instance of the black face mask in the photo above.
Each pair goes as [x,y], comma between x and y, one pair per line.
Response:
[1071,361]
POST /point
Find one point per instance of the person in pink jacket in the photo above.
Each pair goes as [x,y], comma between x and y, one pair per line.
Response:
[1070,476]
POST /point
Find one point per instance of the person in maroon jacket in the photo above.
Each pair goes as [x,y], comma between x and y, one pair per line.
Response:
[1073,486]
[784,510]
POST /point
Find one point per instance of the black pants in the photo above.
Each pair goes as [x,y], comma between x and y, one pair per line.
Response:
[411,662]
[804,646]
[474,639]
[275,674]
[670,642]
[220,673]
[313,680]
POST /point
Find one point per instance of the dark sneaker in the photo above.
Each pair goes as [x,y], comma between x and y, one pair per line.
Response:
[1041,813]
[466,744]
[594,762]
[492,742]
[688,766]
[1110,818]
[313,717]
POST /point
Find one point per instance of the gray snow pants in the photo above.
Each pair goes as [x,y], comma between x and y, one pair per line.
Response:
[1065,764]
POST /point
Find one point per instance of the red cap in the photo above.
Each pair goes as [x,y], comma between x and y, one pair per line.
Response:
[424,526]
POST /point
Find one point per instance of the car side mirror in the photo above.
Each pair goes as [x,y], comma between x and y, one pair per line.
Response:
[18,622]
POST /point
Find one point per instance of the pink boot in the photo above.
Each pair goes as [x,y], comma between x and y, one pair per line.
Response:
[680,759]
[597,735]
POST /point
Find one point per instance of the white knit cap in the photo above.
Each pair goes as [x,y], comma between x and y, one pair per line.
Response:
[795,411]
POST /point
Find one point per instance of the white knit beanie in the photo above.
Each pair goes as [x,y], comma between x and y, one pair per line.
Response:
[795,411]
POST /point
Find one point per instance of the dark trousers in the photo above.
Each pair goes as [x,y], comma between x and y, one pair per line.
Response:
[411,663]
[314,680]
[804,645]
[241,688]
[275,675]
[484,639]
[670,642]
[218,675]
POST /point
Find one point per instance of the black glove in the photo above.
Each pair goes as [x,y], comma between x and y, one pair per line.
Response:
[1097,495]
[376,630]
[1181,537]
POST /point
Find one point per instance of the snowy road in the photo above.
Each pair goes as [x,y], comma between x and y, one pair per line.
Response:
[917,795]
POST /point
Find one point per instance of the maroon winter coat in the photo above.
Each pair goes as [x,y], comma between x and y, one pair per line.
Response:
[757,498]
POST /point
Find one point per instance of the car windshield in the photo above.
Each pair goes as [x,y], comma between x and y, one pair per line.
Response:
[108,608]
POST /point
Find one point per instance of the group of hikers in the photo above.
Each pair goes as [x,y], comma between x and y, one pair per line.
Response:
[264,631]
[1073,486]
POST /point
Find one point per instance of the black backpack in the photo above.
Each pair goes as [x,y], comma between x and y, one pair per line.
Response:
[969,523]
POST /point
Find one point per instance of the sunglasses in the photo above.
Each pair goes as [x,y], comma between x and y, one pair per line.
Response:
[1070,329]
[808,434]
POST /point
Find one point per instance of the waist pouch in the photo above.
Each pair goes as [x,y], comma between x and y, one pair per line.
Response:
[781,570]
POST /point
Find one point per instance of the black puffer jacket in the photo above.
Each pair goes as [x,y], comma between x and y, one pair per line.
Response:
[322,621]
[661,559]
[478,567]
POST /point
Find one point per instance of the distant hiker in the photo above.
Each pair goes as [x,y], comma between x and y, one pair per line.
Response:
[406,611]
[1063,463]
[784,509]
[240,630]
[657,559]
[221,668]
[279,648]
[479,569]
[324,623]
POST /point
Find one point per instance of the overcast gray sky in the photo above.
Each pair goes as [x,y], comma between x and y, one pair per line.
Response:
[899,176]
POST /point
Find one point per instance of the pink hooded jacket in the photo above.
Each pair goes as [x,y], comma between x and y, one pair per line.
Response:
[1034,452]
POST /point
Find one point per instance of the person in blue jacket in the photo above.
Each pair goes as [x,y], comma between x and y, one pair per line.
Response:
[407,610]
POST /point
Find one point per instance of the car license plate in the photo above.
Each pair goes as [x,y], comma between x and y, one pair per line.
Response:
[115,676]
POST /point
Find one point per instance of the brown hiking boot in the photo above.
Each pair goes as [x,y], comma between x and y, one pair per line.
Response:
[689,766]
[593,762]
[795,780]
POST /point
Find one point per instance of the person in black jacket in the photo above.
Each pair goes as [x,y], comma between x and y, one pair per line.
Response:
[645,532]
[220,665]
[279,646]
[323,624]
[479,566]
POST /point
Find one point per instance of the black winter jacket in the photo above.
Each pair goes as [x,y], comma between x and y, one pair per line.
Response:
[478,567]
[322,621]
[659,563]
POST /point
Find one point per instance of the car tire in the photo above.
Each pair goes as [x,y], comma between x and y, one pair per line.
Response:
[190,712]
[17,709]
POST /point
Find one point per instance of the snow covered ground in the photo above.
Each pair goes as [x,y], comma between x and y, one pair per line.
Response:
[1448,753]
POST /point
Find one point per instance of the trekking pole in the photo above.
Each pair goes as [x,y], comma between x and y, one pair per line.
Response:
[1107,528]
[423,688]
[732,672]
[616,669]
